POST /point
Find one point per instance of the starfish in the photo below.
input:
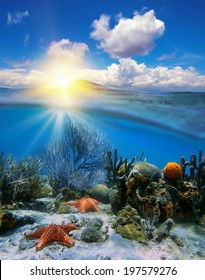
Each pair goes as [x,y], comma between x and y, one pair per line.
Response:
[53,233]
[86,204]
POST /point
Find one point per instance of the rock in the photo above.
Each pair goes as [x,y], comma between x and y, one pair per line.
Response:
[45,204]
[93,231]
[117,199]
[66,195]
[9,220]
[65,208]
[132,232]
[127,215]
[148,170]
[128,224]
[100,192]
[105,208]
[202,221]
[163,230]
[177,240]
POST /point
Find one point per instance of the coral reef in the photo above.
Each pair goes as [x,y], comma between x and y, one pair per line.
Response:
[118,169]
[141,175]
[146,202]
[129,180]
[156,199]
[196,171]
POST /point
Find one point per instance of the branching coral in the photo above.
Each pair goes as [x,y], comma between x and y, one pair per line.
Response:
[118,169]
[20,180]
[196,170]
[78,159]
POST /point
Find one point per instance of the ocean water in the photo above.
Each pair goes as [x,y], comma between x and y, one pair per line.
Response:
[163,125]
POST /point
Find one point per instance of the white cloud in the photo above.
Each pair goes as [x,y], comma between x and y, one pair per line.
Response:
[36,77]
[128,73]
[65,59]
[12,77]
[67,51]
[21,77]
[16,17]
[130,36]
[20,63]
[61,57]
[26,40]
[167,56]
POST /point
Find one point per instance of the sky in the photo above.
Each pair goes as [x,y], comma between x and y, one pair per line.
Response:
[149,44]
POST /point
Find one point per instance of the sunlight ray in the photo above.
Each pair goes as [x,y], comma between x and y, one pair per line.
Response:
[40,133]
[37,118]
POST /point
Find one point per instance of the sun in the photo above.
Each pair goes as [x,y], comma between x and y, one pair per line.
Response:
[61,76]
[63,91]
[64,85]
[60,73]
[56,89]
[63,82]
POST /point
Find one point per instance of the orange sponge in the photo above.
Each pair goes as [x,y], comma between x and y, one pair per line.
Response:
[172,170]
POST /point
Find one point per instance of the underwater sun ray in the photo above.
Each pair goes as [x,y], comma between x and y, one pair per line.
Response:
[43,129]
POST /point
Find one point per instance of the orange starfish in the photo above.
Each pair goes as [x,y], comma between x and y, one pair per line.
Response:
[53,233]
[86,204]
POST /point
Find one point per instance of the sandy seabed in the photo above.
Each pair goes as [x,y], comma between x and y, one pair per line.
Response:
[186,242]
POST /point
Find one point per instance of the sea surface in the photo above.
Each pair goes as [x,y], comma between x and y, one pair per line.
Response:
[163,125]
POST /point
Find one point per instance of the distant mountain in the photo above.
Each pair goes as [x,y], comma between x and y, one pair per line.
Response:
[82,84]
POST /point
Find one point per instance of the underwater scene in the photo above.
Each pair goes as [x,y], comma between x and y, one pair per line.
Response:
[101,173]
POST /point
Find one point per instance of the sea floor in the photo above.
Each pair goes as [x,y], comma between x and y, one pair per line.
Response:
[185,242]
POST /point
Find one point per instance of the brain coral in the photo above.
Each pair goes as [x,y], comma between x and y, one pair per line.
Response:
[172,170]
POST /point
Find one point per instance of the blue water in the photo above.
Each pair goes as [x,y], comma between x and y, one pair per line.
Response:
[164,125]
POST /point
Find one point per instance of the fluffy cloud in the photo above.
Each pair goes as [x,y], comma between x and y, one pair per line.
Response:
[67,51]
[16,18]
[128,73]
[14,78]
[64,55]
[35,77]
[130,36]
[61,56]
